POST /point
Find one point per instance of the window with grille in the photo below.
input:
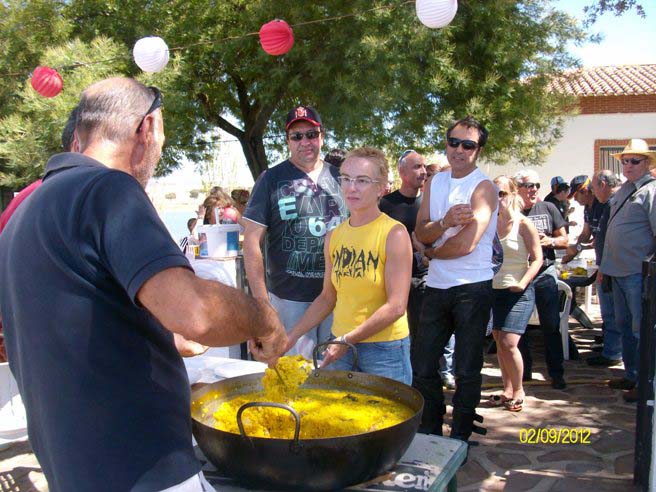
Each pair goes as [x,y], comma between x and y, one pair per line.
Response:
[607,161]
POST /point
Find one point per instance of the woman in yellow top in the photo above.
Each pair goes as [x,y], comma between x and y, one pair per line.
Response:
[367,277]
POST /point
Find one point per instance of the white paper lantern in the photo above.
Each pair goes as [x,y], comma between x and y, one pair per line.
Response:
[151,54]
[436,13]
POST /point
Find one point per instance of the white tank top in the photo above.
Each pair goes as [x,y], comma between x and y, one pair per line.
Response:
[515,259]
[476,266]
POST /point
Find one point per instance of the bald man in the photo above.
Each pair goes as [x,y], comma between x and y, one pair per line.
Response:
[93,290]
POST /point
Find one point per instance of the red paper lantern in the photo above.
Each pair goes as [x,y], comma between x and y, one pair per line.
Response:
[46,81]
[276,37]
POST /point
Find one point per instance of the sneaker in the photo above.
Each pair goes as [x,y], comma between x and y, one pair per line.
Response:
[600,360]
[631,396]
[621,383]
[558,383]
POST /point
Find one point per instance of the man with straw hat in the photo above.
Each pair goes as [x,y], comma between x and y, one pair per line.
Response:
[630,238]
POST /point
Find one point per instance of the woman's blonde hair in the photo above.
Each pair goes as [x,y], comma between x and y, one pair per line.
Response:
[217,198]
[516,202]
[373,155]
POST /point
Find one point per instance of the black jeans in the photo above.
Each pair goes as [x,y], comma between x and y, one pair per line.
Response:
[465,311]
[547,302]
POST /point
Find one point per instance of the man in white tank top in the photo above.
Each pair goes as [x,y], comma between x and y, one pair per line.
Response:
[457,220]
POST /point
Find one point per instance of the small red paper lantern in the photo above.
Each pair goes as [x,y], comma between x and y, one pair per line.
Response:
[276,37]
[46,81]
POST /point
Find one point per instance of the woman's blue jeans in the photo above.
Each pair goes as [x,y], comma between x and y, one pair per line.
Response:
[387,359]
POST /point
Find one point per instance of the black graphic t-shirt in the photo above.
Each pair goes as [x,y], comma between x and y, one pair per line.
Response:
[404,209]
[592,215]
[297,213]
[546,218]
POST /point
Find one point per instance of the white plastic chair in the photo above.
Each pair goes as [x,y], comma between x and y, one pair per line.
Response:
[563,290]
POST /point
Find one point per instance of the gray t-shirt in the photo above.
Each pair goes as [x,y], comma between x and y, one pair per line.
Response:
[630,232]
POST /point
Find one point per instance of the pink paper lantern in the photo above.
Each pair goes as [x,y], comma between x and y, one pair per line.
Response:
[276,37]
[46,81]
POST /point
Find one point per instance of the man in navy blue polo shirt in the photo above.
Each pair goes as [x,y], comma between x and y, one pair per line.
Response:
[92,289]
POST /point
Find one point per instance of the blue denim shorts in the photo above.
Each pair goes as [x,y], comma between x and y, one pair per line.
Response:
[387,359]
[512,310]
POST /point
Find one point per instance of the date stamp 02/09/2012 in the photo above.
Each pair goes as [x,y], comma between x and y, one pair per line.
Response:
[554,435]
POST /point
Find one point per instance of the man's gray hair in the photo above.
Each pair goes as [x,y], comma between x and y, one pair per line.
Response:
[111,109]
[609,177]
[529,174]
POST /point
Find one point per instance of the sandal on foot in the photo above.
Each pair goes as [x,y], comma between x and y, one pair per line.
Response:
[514,405]
[497,400]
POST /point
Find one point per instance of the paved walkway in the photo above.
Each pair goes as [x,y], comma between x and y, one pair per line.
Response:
[501,461]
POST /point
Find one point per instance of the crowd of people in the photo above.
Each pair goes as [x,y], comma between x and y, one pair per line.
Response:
[100,306]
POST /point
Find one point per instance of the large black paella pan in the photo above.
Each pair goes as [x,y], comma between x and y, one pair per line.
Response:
[305,464]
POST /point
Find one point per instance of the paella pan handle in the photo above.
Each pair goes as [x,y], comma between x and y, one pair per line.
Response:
[297,418]
[336,341]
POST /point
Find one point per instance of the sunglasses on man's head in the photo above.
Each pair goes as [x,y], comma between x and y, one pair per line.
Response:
[466,144]
[310,135]
[633,160]
[157,103]
[530,185]
[405,154]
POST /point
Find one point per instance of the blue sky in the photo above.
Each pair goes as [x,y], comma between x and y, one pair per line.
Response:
[628,39]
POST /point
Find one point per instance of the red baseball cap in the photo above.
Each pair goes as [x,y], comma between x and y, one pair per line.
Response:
[303,113]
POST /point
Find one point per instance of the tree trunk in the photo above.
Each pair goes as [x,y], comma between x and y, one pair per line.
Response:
[253,147]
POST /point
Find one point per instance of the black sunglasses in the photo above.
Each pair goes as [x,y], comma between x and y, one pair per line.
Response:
[310,135]
[405,154]
[157,103]
[529,185]
[633,160]
[466,144]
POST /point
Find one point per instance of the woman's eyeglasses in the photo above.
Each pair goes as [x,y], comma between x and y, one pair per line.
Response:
[359,182]
[529,185]
[466,144]
[157,103]
[632,160]
[310,135]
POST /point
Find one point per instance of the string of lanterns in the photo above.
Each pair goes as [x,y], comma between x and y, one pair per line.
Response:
[151,54]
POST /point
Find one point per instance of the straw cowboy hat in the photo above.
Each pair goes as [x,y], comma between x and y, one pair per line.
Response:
[640,147]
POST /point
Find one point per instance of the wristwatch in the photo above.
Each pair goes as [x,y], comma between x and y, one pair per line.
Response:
[553,242]
[579,247]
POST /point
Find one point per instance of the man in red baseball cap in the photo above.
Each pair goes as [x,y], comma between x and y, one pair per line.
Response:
[293,206]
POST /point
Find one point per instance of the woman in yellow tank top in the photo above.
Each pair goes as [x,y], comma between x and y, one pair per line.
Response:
[367,277]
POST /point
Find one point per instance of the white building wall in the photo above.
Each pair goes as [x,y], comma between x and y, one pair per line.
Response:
[573,154]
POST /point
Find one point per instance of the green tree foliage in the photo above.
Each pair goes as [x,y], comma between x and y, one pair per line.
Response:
[616,7]
[379,77]
[32,132]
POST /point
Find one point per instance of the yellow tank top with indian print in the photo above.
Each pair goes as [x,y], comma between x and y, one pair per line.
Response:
[358,258]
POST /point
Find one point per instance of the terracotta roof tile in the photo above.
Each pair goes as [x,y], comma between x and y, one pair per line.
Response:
[623,80]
